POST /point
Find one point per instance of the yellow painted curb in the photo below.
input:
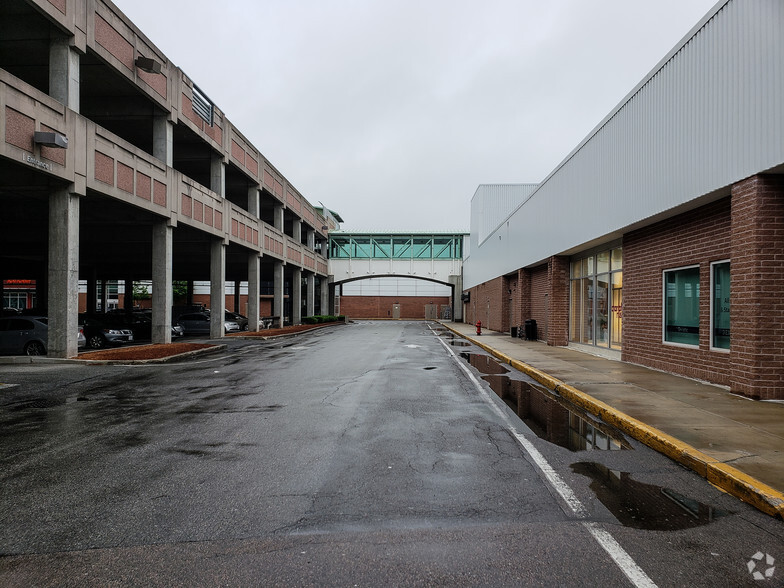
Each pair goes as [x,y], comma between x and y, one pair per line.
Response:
[748,489]
[723,476]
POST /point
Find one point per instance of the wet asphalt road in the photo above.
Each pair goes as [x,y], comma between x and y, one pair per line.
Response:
[362,455]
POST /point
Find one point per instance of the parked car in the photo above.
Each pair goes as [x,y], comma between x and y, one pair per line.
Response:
[198,323]
[236,317]
[100,333]
[26,335]
[177,331]
[138,322]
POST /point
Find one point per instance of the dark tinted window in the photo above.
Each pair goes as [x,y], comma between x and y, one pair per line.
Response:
[16,324]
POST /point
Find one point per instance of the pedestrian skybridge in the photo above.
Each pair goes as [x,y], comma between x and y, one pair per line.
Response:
[435,257]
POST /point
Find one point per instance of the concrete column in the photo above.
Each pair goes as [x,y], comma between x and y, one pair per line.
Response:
[297,230]
[457,303]
[236,287]
[334,296]
[162,288]
[92,291]
[63,274]
[128,297]
[64,73]
[254,290]
[278,217]
[163,140]
[323,283]
[104,294]
[296,297]
[310,294]
[278,291]
[311,239]
[254,206]
[217,288]
[218,176]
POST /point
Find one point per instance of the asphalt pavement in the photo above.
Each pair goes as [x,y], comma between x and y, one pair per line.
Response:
[734,442]
[378,453]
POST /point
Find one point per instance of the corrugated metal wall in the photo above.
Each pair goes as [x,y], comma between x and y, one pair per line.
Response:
[492,204]
[710,114]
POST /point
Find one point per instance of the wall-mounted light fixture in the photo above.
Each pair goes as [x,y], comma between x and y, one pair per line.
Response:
[148,64]
[50,139]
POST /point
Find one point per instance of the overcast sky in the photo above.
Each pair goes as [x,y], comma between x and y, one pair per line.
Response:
[392,112]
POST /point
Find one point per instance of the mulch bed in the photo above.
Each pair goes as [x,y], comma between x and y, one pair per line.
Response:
[156,351]
[159,350]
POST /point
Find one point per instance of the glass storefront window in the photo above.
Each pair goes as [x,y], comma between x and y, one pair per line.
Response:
[588,269]
[15,300]
[602,310]
[616,310]
[596,299]
[603,262]
[720,305]
[617,258]
[682,306]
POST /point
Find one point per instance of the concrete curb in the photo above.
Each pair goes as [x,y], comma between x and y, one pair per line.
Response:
[721,475]
[204,351]
[285,335]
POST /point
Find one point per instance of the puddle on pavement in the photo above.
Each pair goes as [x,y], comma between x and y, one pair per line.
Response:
[484,363]
[459,343]
[549,416]
[645,506]
[555,420]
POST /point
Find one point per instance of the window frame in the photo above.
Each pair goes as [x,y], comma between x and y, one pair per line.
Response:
[664,308]
[712,282]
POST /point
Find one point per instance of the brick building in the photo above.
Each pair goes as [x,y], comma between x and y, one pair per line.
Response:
[660,239]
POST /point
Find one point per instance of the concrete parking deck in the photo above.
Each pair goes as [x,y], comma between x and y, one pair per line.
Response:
[734,442]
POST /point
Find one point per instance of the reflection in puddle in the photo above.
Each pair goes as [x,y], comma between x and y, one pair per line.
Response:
[484,363]
[457,343]
[554,419]
[645,506]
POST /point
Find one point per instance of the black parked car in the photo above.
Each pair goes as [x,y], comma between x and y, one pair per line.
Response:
[101,331]
[198,323]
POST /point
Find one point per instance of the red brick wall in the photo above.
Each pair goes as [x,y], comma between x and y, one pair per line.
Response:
[524,290]
[756,288]
[487,304]
[558,301]
[411,307]
[531,293]
[697,237]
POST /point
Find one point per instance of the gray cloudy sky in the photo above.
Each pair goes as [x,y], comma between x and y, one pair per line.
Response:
[393,112]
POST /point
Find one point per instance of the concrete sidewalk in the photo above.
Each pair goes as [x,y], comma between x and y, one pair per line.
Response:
[736,443]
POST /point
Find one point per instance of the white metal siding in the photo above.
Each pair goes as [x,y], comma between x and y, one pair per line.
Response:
[709,115]
[492,204]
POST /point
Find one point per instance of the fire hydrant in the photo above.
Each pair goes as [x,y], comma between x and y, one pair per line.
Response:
[478,327]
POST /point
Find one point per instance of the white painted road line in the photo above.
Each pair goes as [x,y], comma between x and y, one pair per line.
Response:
[622,559]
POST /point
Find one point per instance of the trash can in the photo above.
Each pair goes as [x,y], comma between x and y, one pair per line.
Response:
[530,329]
[513,332]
